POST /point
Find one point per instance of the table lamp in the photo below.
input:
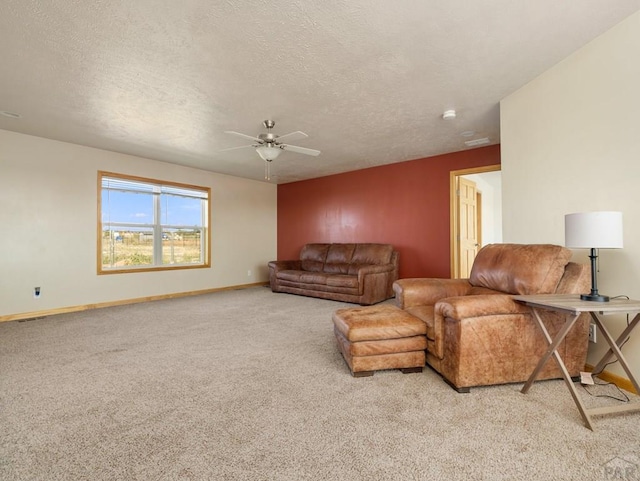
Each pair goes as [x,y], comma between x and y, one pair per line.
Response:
[593,230]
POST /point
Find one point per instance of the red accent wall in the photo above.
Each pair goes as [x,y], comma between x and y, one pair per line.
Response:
[404,204]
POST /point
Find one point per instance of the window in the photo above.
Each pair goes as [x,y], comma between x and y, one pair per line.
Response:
[146,224]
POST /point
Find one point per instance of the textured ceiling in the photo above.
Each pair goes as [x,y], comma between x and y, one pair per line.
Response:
[367,80]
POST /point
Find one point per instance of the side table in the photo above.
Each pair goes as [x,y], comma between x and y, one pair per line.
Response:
[573,307]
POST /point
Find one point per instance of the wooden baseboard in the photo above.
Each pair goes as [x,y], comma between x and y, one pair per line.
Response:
[86,307]
[621,382]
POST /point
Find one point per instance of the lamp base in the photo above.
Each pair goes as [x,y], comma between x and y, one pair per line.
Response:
[594,297]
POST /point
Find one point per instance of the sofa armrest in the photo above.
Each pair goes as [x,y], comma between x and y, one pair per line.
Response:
[374,282]
[275,266]
[373,269]
[292,265]
[426,292]
[479,306]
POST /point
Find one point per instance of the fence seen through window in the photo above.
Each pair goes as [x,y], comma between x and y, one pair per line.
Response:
[148,225]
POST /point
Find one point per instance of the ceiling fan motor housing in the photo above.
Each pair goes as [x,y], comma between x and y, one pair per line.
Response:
[268,137]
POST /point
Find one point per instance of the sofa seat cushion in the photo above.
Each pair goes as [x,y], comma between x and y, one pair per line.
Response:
[303,277]
[291,275]
[337,280]
[319,278]
[314,278]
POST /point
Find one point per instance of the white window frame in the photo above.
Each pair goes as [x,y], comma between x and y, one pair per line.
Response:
[158,188]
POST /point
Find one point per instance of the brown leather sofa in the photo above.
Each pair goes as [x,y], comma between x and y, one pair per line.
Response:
[477,335]
[358,273]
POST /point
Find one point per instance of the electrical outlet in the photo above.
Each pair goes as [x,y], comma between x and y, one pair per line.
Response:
[592,332]
[249,273]
[36,293]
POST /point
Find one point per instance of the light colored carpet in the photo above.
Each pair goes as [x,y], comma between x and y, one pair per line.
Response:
[249,385]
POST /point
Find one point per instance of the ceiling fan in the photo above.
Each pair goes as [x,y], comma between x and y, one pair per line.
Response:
[269,145]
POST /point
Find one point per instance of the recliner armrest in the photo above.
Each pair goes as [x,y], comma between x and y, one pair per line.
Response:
[426,291]
[478,306]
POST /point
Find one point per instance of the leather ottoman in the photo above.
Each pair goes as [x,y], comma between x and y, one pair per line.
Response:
[380,337]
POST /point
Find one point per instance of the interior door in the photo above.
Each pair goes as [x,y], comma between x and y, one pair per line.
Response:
[467,225]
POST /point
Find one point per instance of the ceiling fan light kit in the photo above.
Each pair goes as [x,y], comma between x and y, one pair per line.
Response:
[269,145]
[268,152]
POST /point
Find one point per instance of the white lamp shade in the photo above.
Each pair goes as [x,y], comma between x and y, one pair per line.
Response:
[593,230]
[268,152]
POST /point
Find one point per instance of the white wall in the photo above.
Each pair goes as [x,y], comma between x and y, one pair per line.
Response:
[48,217]
[571,143]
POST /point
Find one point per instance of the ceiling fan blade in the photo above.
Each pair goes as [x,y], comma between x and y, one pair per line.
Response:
[235,148]
[297,135]
[245,136]
[300,150]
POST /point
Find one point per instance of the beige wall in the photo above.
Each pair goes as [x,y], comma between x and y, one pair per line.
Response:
[571,143]
[48,219]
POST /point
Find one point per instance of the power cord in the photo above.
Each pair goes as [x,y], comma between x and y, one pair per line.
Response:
[625,398]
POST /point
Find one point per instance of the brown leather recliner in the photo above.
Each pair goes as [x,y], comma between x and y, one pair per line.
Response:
[477,335]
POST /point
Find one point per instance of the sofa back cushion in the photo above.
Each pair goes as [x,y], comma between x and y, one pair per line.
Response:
[344,258]
[313,256]
[339,258]
[370,254]
[520,268]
